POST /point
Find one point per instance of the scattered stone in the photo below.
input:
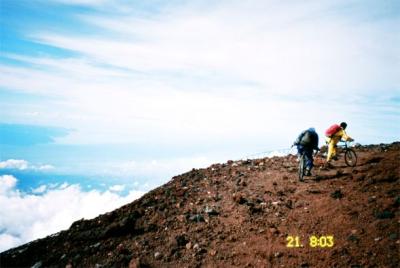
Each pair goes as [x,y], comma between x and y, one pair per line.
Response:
[38,265]
[314,191]
[373,160]
[157,255]
[213,252]
[393,236]
[181,240]
[98,244]
[211,211]
[197,218]
[135,263]
[181,218]
[254,208]
[188,245]
[353,238]
[396,202]
[66,266]
[385,214]
[289,204]
[339,173]
[273,230]
[337,194]
[278,254]
[238,198]
[360,177]
[196,247]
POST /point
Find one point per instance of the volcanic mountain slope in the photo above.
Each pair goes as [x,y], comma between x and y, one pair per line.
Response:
[241,214]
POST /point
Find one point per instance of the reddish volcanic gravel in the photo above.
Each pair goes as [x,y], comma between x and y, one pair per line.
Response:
[241,214]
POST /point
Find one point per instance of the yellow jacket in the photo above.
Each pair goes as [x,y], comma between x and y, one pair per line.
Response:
[340,135]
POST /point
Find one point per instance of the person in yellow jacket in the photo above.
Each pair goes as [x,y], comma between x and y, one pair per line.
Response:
[334,139]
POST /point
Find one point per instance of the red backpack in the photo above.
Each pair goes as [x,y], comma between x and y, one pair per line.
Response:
[332,130]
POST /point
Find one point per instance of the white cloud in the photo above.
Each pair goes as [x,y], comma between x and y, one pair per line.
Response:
[210,72]
[7,182]
[117,188]
[14,164]
[278,42]
[64,185]
[21,164]
[43,167]
[94,3]
[8,241]
[39,190]
[25,217]
[159,170]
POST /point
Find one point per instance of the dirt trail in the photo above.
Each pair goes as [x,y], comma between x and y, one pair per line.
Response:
[240,214]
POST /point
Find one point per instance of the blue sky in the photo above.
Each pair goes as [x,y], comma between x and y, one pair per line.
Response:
[108,99]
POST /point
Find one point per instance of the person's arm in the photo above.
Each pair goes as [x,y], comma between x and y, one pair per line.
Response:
[346,137]
[297,141]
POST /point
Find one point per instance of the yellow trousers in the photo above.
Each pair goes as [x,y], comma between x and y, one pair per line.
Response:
[331,148]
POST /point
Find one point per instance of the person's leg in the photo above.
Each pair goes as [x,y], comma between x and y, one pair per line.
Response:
[309,161]
[331,150]
[300,150]
[309,157]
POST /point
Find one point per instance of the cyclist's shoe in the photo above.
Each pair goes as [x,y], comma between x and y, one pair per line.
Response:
[308,172]
[336,158]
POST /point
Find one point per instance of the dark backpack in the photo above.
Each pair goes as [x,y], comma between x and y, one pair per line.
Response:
[307,139]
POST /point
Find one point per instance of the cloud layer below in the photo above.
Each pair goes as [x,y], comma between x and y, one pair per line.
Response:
[50,208]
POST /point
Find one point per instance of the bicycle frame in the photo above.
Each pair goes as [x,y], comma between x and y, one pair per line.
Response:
[350,156]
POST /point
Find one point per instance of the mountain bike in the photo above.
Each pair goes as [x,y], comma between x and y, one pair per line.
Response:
[302,166]
[350,156]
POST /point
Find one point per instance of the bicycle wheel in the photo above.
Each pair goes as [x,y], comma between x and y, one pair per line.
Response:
[302,166]
[350,157]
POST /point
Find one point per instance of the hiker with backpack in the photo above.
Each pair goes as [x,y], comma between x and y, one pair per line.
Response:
[334,134]
[306,143]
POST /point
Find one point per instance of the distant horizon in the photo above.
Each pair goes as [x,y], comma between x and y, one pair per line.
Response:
[87,196]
